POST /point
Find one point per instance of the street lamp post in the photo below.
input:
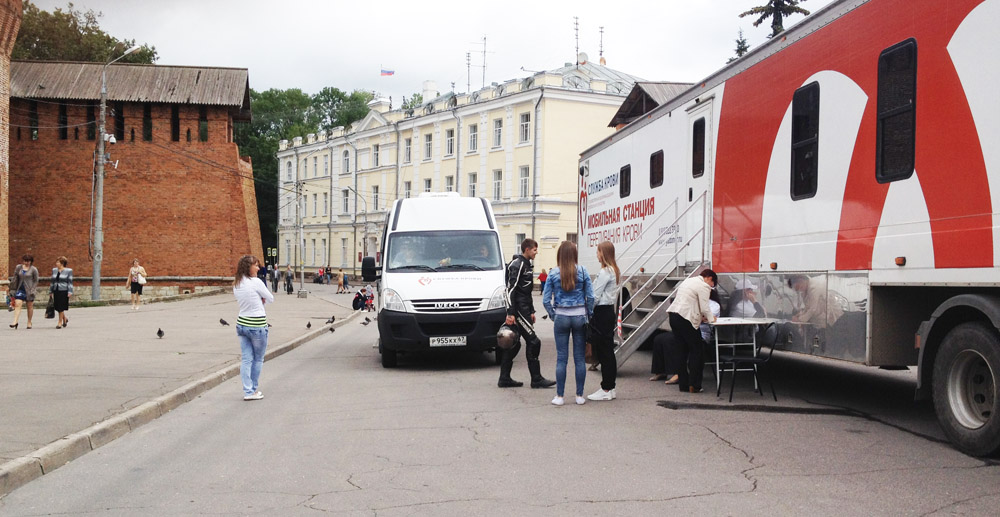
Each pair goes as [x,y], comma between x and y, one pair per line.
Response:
[99,182]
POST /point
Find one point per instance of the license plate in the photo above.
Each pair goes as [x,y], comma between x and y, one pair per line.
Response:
[448,341]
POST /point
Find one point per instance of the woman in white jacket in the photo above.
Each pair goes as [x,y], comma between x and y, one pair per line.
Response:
[251,324]
[605,319]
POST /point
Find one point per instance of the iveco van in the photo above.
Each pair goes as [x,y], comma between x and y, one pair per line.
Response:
[442,276]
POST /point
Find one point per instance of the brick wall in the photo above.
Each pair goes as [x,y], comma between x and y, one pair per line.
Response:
[10,21]
[183,208]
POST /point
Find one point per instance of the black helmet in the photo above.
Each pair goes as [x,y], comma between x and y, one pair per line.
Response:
[506,337]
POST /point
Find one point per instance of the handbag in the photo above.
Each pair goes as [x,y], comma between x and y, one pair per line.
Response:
[141,279]
[50,307]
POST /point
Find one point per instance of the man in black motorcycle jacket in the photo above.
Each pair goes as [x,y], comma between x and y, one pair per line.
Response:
[521,312]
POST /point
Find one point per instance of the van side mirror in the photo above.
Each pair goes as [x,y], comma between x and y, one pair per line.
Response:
[369,271]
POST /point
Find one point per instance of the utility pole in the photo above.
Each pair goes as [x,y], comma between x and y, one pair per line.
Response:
[98,245]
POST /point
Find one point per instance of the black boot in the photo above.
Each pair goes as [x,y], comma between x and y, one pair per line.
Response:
[509,383]
[537,381]
[505,366]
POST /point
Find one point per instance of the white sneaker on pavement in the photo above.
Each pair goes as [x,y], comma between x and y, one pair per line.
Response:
[257,395]
[580,400]
[558,401]
[600,394]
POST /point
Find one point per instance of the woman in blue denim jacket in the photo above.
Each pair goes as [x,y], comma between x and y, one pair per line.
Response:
[568,297]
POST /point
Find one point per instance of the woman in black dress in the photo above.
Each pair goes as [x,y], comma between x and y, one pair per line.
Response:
[61,289]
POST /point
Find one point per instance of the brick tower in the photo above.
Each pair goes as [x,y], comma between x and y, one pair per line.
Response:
[10,22]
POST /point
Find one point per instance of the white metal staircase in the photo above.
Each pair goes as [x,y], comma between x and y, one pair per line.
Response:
[651,291]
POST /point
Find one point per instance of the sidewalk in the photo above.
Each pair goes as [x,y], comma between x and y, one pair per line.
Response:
[109,360]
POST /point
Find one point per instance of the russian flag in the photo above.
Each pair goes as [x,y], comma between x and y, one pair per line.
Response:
[387,72]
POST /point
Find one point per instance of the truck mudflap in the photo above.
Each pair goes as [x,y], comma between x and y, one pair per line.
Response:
[408,332]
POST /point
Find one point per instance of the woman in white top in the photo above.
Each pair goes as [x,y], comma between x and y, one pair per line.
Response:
[134,285]
[603,324]
[251,324]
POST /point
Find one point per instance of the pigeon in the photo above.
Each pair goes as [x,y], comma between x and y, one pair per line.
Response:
[309,325]
[332,329]
[269,325]
[367,319]
[224,322]
[331,320]
[159,333]
[365,322]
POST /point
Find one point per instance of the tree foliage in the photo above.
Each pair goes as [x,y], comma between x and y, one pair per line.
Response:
[777,11]
[333,107]
[71,35]
[742,47]
[414,101]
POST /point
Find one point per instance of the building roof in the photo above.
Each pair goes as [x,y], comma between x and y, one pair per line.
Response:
[645,96]
[229,87]
[618,82]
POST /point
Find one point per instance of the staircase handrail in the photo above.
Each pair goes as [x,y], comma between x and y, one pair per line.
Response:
[653,222]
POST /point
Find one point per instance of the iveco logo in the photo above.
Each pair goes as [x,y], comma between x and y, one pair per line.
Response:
[446,305]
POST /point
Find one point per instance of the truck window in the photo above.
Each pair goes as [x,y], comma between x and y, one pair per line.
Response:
[805,141]
[443,250]
[656,169]
[897,112]
[698,148]
[625,181]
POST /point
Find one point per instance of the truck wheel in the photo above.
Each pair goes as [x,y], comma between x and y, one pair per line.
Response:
[388,357]
[965,388]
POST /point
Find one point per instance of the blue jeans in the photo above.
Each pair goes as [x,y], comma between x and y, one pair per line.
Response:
[253,344]
[564,325]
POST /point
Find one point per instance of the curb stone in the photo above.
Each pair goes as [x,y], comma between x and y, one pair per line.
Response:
[20,471]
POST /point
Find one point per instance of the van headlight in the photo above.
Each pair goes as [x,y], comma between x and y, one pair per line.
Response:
[498,300]
[391,301]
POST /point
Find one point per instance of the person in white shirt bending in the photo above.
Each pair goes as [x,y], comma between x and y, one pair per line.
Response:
[690,307]
[251,324]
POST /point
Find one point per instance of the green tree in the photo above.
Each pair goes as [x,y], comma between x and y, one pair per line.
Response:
[332,107]
[71,35]
[277,115]
[776,10]
[742,47]
[414,101]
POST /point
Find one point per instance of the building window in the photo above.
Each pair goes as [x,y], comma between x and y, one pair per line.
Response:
[175,124]
[895,145]
[375,198]
[449,142]
[189,134]
[91,123]
[132,135]
[347,162]
[288,251]
[625,181]
[523,181]
[347,201]
[497,132]
[427,185]
[572,237]
[407,187]
[147,123]
[472,184]
[326,203]
[315,166]
[518,239]
[428,146]
[119,110]
[202,124]
[315,205]
[473,137]
[525,132]
[406,150]
[76,133]
[326,260]
[314,251]
[375,155]
[326,165]
[656,169]
[63,122]
[449,183]
[698,148]
[33,119]
[305,168]
[805,141]
[497,184]
[288,168]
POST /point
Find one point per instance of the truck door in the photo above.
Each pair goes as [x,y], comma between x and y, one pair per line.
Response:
[700,165]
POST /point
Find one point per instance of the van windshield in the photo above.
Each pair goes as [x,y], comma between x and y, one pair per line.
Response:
[443,251]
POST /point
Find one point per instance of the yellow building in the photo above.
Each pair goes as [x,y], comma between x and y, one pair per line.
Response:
[516,144]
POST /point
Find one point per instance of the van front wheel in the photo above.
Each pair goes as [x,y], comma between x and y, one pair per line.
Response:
[965,384]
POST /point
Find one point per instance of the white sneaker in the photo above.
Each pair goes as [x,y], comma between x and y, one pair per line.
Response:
[558,401]
[257,395]
[602,395]
[580,400]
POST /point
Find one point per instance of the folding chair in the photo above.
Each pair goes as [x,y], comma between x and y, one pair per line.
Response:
[746,363]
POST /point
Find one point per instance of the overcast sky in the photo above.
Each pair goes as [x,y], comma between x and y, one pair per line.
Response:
[310,44]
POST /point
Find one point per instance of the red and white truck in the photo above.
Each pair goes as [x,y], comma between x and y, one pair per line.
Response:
[846,162]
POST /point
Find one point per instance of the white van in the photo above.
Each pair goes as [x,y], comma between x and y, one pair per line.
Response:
[442,276]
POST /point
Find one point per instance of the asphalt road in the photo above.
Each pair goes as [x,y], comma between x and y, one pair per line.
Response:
[337,433]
